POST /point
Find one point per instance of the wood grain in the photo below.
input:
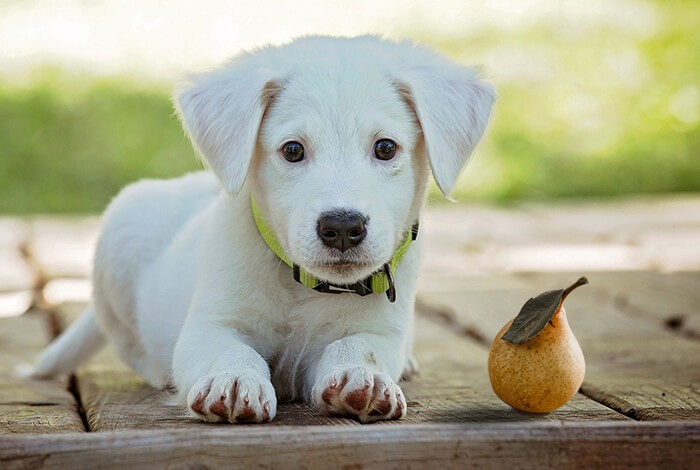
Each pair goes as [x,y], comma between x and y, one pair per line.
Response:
[609,445]
[116,398]
[122,401]
[453,387]
[634,365]
[676,310]
[26,405]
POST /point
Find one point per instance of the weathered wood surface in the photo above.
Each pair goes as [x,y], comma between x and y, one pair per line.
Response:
[635,363]
[31,406]
[453,387]
[15,272]
[454,418]
[115,398]
[63,246]
[639,331]
[120,400]
[609,445]
[670,301]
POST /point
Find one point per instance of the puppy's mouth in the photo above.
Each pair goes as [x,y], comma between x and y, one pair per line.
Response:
[343,269]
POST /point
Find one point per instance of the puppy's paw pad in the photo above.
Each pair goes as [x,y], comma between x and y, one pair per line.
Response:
[358,399]
[233,398]
[361,393]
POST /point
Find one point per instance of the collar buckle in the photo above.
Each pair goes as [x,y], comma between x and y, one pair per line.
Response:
[414,231]
[391,291]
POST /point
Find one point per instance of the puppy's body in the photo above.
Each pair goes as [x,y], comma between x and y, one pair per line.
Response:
[190,294]
[146,266]
[150,257]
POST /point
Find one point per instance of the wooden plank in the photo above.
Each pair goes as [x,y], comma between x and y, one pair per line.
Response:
[609,445]
[640,368]
[120,400]
[63,246]
[647,378]
[115,398]
[453,387]
[26,405]
[633,365]
[38,418]
[15,272]
[637,295]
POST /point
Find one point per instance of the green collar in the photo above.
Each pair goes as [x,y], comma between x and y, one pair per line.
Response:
[380,281]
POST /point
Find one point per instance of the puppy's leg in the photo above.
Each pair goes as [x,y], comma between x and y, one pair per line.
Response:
[356,377]
[221,377]
[410,369]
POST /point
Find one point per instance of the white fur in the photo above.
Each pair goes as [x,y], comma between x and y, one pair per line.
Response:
[190,295]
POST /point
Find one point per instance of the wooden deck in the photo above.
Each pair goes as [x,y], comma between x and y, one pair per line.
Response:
[639,329]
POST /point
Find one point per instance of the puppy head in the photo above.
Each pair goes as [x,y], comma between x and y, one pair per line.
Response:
[338,135]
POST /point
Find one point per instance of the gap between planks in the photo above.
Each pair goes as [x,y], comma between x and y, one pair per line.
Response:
[55,327]
[453,387]
[623,350]
[75,391]
[446,317]
[29,405]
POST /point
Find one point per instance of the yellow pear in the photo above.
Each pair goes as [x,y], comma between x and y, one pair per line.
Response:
[540,365]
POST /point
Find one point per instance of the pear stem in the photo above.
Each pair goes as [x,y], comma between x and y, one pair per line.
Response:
[581,281]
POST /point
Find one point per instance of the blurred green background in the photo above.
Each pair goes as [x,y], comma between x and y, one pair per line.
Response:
[585,110]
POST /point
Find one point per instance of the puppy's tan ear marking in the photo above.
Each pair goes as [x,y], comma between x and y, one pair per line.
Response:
[221,112]
[452,105]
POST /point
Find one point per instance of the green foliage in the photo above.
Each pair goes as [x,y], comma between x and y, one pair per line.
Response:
[588,108]
[69,146]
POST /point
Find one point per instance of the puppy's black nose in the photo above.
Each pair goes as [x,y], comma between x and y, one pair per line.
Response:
[341,229]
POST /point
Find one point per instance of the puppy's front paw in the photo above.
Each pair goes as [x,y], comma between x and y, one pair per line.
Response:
[236,398]
[360,392]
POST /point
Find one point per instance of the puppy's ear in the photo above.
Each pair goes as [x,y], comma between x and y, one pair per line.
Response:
[453,107]
[221,112]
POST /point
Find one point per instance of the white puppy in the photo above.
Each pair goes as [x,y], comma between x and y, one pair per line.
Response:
[331,140]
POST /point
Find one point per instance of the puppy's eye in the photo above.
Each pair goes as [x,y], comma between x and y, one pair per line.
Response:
[293,152]
[385,149]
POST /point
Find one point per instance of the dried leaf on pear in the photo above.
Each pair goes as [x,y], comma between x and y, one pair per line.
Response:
[537,312]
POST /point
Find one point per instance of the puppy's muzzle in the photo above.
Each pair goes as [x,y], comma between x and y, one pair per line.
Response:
[341,229]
